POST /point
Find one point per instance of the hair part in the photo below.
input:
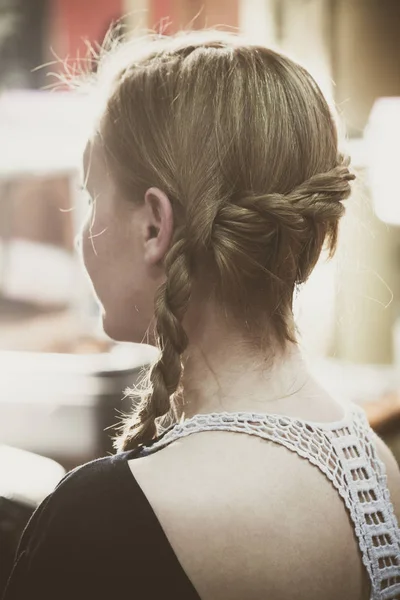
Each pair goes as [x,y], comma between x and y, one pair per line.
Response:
[244,144]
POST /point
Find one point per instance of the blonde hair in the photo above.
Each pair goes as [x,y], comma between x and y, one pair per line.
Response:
[244,144]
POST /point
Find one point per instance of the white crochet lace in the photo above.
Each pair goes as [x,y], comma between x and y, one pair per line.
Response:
[345,452]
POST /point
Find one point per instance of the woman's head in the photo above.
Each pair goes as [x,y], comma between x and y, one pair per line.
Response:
[217,167]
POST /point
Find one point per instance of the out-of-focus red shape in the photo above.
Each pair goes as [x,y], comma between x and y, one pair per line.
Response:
[74,21]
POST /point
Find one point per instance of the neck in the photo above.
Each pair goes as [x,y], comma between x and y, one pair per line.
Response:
[225,372]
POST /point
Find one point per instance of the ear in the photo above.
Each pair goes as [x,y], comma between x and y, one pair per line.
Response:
[159,225]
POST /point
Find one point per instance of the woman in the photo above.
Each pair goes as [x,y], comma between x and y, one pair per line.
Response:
[215,180]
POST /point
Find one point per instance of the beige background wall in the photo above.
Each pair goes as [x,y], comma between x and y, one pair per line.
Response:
[357,44]
[366,57]
[137,13]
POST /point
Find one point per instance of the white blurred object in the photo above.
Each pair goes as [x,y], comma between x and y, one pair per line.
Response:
[27,478]
[42,132]
[382,137]
[49,403]
[360,384]
[314,309]
[39,273]
[257,20]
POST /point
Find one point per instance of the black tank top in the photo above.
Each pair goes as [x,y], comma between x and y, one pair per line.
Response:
[97,537]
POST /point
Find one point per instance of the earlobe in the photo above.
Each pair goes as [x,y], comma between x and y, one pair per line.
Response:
[159,226]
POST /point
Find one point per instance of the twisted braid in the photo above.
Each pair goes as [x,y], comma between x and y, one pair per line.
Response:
[248,227]
[265,244]
[319,201]
[171,303]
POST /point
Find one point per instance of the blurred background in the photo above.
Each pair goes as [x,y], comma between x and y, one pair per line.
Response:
[61,379]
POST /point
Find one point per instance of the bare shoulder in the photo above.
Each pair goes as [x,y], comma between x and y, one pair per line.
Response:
[392,472]
[230,505]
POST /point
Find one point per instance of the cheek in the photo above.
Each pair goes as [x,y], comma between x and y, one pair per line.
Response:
[119,280]
[93,251]
[87,251]
[95,237]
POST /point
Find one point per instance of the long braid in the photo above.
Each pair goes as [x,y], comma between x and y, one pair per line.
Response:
[170,306]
